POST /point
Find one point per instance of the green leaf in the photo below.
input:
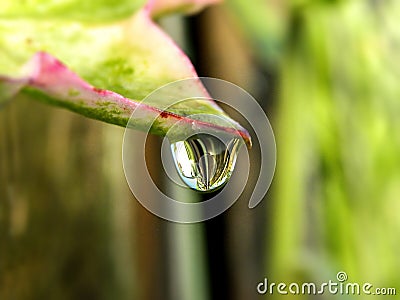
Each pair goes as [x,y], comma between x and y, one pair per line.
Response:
[130,57]
[86,11]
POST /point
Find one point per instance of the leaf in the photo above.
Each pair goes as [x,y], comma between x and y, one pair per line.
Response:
[53,82]
[86,11]
[131,57]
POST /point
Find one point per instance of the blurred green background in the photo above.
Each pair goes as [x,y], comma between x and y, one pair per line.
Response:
[326,73]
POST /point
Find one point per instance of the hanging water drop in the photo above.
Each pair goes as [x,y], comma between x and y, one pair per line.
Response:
[204,162]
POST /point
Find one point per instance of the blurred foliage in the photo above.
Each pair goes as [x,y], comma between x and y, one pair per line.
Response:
[54,224]
[338,177]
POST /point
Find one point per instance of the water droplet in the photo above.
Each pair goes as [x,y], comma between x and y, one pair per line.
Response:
[204,162]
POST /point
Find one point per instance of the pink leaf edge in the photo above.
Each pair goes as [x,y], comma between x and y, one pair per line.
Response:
[47,74]
[158,8]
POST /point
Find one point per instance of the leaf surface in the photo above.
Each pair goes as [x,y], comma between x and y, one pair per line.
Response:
[100,69]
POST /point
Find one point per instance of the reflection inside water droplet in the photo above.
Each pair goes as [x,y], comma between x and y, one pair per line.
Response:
[204,162]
